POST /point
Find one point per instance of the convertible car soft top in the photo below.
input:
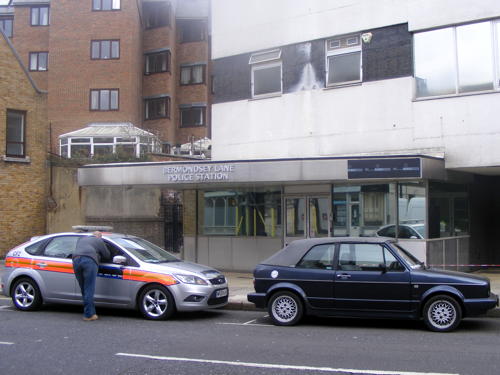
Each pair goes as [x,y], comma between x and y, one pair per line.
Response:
[291,254]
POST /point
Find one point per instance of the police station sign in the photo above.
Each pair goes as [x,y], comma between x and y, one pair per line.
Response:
[199,172]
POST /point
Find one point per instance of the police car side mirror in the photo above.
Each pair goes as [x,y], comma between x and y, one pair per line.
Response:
[119,259]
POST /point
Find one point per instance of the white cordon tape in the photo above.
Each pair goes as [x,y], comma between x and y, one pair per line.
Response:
[464,265]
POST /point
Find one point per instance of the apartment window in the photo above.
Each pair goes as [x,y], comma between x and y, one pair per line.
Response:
[192,30]
[40,16]
[192,74]
[192,115]
[157,62]
[39,61]
[457,60]
[343,60]
[104,100]
[157,108]
[15,134]
[105,49]
[6,25]
[105,4]
[266,73]
[156,14]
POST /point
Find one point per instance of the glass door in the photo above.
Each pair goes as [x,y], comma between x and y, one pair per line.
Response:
[346,214]
[307,217]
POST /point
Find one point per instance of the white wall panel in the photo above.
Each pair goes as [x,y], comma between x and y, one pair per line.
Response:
[377,117]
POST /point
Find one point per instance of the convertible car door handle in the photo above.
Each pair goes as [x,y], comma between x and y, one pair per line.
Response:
[343,276]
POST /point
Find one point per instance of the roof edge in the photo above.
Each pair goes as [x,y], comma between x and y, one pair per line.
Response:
[23,67]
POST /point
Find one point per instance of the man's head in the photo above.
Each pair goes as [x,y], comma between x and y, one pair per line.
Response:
[97,234]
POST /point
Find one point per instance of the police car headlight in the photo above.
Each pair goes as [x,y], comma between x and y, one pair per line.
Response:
[190,279]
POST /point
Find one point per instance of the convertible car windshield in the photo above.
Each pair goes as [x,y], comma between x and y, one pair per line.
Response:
[413,262]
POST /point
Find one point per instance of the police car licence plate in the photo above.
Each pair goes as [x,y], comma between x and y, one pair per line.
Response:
[221,293]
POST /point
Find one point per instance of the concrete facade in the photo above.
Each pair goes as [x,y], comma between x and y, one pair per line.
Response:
[23,181]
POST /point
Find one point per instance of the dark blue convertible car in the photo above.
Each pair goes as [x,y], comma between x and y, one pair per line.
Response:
[365,277]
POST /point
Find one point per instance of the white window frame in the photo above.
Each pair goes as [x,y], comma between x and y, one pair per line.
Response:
[495,30]
[496,54]
[265,60]
[343,50]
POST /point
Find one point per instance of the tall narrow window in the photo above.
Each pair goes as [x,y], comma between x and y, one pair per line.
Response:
[192,116]
[104,100]
[192,74]
[475,57]
[343,60]
[266,73]
[155,108]
[157,62]
[6,25]
[39,61]
[40,16]
[15,134]
[105,49]
[105,4]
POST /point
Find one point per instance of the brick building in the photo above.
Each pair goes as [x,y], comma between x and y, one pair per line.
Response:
[23,142]
[142,62]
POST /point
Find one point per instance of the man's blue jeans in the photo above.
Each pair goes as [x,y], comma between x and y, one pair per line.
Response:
[86,273]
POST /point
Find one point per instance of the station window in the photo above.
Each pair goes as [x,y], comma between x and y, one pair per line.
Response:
[343,60]
[266,73]
[457,60]
[242,213]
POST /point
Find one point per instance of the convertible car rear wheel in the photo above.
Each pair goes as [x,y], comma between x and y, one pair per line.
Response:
[442,313]
[285,308]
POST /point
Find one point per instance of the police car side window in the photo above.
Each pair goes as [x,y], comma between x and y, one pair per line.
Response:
[36,248]
[61,247]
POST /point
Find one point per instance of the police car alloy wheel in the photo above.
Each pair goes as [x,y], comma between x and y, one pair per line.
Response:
[26,295]
[156,303]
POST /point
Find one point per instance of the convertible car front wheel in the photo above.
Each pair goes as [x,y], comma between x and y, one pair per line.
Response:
[442,313]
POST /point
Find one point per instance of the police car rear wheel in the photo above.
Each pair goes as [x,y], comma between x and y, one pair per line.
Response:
[156,303]
[26,295]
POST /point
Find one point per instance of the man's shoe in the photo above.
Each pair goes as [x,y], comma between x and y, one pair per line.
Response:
[93,317]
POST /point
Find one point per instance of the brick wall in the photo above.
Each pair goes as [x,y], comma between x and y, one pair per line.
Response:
[73,73]
[23,185]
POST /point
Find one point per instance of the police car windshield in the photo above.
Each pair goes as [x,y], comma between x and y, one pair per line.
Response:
[145,250]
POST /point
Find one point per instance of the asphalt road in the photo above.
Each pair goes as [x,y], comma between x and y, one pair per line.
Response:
[55,340]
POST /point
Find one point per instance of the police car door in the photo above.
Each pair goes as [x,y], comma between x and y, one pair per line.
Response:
[56,268]
[110,286]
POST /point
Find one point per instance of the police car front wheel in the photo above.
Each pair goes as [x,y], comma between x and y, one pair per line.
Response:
[156,303]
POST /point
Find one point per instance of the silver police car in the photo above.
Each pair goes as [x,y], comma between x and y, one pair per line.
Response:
[138,275]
